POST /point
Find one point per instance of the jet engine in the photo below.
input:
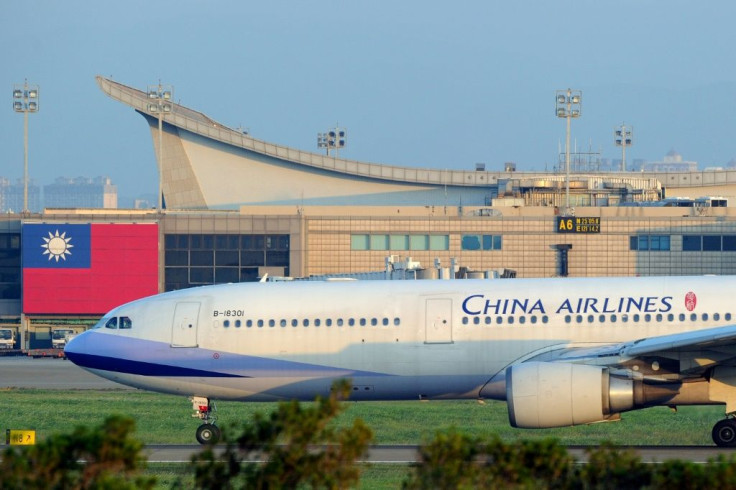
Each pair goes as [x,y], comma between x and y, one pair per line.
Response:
[546,394]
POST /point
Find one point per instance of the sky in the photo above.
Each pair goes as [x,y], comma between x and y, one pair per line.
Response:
[415,83]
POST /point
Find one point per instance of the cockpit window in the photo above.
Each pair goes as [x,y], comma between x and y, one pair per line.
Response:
[116,322]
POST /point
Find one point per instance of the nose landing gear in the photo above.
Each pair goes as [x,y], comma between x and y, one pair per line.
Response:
[208,432]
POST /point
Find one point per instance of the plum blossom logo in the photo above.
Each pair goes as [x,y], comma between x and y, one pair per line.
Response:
[690,301]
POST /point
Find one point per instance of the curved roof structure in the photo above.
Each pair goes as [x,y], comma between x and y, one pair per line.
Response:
[207,165]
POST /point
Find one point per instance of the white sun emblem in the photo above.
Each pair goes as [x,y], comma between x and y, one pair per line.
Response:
[57,246]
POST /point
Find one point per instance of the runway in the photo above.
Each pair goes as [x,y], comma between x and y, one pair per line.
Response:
[397,454]
[50,374]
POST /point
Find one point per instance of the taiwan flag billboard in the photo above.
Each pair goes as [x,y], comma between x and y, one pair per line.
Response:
[87,269]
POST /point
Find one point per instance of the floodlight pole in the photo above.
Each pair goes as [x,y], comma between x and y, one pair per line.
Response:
[160,97]
[25,100]
[25,161]
[623,137]
[567,162]
[568,105]
[160,163]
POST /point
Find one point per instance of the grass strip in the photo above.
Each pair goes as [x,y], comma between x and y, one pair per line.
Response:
[166,419]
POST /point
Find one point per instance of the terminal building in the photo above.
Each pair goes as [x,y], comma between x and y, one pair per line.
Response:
[238,208]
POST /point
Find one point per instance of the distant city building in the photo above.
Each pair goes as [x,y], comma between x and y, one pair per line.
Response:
[11,196]
[144,203]
[81,192]
[672,163]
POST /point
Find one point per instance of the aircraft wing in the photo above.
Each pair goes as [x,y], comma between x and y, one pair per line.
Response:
[666,357]
[711,338]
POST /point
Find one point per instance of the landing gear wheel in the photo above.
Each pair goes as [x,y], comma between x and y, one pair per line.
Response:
[208,434]
[724,433]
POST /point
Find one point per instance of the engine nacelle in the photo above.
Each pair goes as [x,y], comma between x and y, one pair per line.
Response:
[545,394]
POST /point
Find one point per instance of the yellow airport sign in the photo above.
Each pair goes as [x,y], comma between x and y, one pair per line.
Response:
[20,437]
[575,224]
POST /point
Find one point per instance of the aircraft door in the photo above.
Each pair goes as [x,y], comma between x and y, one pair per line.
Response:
[184,328]
[438,327]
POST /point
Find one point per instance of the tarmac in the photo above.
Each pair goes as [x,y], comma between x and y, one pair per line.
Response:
[50,373]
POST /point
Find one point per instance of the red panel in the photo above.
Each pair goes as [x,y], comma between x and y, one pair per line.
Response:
[123,267]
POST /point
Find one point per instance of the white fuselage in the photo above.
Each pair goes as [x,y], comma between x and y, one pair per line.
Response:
[394,339]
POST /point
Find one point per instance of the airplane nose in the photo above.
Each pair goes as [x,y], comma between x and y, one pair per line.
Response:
[76,346]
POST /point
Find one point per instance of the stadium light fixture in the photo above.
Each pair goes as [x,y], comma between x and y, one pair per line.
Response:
[25,100]
[333,139]
[568,105]
[159,97]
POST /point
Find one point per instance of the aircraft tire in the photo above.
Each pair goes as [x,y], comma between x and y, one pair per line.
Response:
[208,434]
[724,433]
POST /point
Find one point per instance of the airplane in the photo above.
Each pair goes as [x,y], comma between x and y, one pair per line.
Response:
[559,351]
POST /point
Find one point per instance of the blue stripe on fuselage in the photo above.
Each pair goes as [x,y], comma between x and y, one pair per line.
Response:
[127,366]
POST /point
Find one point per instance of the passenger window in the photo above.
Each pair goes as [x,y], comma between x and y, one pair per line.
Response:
[385,322]
[602,318]
[317,322]
[647,317]
[522,319]
[374,322]
[271,323]
[237,323]
[294,322]
[579,318]
[465,320]
[112,323]
[283,322]
[488,320]
[716,316]
[328,322]
[693,317]
[249,323]
[545,319]
[728,317]
[534,319]
[305,322]
[499,320]
[476,320]
[659,317]
[397,321]
[705,318]
[682,317]
[226,323]
[351,322]
[510,321]
[567,318]
[625,318]
[339,322]
[260,323]
[636,318]
[670,317]
[125,322]
[613,318]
